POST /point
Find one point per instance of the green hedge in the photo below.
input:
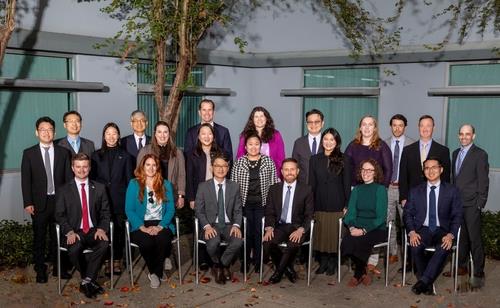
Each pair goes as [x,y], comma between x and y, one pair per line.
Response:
[16,241]
[490,232]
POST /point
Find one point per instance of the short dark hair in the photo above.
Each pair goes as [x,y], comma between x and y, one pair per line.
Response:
[206,100]
[289,160]
[440,163]
[45,119]
[220,156]
[426,116]
[66,114]
[315,111]
[398,116]
[79,156]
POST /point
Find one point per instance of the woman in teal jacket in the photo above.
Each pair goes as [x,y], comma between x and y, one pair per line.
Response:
[149,206]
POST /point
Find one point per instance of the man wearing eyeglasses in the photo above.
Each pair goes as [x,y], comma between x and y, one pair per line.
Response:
[432,214]
[45,167]
[73,142]
[136,141]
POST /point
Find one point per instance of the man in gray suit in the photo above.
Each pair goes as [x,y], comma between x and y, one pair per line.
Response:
[470,170]
[73,142]
[308,145]
[219,210]
[396,142]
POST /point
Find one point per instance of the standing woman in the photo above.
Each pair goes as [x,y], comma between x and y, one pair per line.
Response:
[254,173]
[150,209]
[330,179]
[365,218]
[171,160]
[272,144]
[113,167]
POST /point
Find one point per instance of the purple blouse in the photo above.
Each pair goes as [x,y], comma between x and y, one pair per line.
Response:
[359,152]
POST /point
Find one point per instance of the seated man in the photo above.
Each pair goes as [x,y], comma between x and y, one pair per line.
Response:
[288,214]
[432,214]
[82,211]
[219,210]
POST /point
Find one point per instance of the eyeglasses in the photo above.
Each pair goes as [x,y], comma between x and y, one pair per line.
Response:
[73,121]
[151,200]
[367,170]
[433,168]
[220,166]
[313,122]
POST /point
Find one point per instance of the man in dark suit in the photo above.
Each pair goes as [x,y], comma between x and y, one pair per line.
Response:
[206,111]
[308,145]
[470,171]
[288,214]
[73,142]
[45,167]
[219,210]
[82,211]
[432,214]
[133,143]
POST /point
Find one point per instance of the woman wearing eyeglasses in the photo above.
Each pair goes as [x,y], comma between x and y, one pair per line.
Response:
[365,218]
[150,209]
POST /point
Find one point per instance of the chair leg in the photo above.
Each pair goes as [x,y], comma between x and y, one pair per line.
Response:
[196,269]
[179,266]
[404,261]
[261,260]
[59,267]
[387,265]
[309,261]
[245,258]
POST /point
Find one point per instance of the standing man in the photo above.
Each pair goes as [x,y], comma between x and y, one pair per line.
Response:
[206,111]
[135,142]
[470,171]
[397,142]
[310,144]
[433,214]
[288,214]
[73,142]
[45,167]
[219,210]
[82,211]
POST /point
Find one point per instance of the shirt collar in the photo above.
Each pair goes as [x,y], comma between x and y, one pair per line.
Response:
[79,182]
[437,184]
[69,138]
[286,184]
[466,148]
[42,146]
[217,182]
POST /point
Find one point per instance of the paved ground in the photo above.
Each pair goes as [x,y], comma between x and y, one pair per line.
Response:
[18,289]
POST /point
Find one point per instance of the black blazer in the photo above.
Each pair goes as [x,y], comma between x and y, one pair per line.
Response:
[69,207]
[302,153]
[449,208]
[128,144]
[34,179]
[472,179]
[302,207]
[410,167]
[115,177]
[86,146]
[196,168]
[222,138]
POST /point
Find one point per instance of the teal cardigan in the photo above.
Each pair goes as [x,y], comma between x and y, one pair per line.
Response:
[135,209]
[367,207]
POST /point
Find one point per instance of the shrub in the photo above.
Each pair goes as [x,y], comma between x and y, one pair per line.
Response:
[490,231]
[15,243]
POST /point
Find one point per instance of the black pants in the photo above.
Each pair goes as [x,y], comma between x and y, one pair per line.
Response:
[87,264]
[286,258]
[119,235]
[470,240]
[254,214]
[44,222]
[154,248]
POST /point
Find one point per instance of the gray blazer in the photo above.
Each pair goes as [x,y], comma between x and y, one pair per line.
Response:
[86,146]
[206,203]
[408,141]
[302,153]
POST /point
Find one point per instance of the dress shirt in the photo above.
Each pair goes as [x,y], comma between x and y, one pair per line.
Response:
[401,140]
[465,150]
[318,141]
[79,189]
[51,155]
[143,141]
[217,195]
[290,205]
[421,146]
[436,191]
[76,141]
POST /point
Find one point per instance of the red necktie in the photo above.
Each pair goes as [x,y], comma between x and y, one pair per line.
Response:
[85,211]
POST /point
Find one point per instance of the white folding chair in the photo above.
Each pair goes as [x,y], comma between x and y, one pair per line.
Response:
[453,264]
[284,245]
[379,245]
[129,245]
[61,248]
[199,241]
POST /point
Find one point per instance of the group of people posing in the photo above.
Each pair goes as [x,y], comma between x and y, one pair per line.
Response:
[142,180]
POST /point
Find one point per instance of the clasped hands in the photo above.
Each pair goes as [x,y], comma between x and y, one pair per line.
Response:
[151,230]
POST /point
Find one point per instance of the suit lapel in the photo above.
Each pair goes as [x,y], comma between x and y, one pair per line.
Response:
[92,197]
[78,200]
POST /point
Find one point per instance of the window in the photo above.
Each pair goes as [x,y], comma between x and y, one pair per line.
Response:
[342,113]
[482,112]
[20,110]
[188,115]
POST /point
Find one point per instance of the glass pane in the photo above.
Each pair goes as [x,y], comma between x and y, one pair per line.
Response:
[146,74]
[341,77]
[474,74]
[35,67]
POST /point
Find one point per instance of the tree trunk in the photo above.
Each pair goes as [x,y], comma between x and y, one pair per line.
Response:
[160,47]
[7,29]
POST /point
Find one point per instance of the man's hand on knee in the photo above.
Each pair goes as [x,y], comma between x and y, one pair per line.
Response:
[210,232]
[415,239]
[296,235]
[100,234]
[71,238]
[235,231]
[269,234]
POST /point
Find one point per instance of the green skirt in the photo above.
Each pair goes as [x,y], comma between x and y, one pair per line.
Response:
[326,231]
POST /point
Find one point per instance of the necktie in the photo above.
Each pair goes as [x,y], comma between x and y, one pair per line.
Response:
[85,211]
[73,145]
[48,171]
[284,212]
[140,143]
[221,212]
[395,162]
[459,161]
[314,146]
[423,154]
[432,209]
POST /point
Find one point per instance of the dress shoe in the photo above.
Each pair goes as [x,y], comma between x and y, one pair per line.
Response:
[227,273]
[97,288]
[366,279]
[291,274]
[353,282]
[87,290]
[420,287]
[41,277]
[323,266]
[373,269]
[218,274]
[64,274]
[461,272]
[477,281]
[204,266]
[393,259]
[276,277]
[222,276]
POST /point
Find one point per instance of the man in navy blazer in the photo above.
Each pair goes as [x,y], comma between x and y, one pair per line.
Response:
[133,143]
[432,214]
[206,111]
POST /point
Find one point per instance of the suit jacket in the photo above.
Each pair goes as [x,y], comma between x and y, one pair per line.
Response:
[472,179]
[115,177]
[196,168]
[222,138]
[302,153]
[302,207]
[410,167]
[449,208]
[407,141]
[69,207]
[34,179]
[86,146]
[206,207]
[128,144]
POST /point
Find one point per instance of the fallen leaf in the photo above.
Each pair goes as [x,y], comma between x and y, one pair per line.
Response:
[205,279]
[124,289]
[253,290]
[235,279]
[108,303]
[173,285]
[331,283]
[265,283]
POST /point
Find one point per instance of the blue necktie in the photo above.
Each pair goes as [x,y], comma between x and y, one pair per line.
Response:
[314,146]
[432,209]
[395,162]
[284,212]
[221,212]
[459,161]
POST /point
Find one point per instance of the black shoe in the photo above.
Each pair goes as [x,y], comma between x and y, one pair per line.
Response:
[227,273]
[276,277]
[64,274]
[420,287]
[97,288]
[41,277]
[87,290]
[323,266]
[290,274]
[332,266]
[430,290]
[204,266]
